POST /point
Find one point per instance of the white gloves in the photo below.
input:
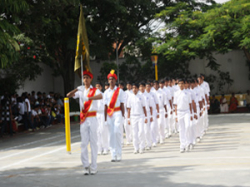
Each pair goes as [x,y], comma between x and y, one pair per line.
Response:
[85,98]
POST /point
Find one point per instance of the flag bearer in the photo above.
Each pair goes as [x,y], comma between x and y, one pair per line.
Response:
[88,122]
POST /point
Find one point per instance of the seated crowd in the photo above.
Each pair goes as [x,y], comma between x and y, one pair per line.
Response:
[223,106]
[34,111]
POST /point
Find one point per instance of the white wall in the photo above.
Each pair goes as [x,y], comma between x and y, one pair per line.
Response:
[234,62]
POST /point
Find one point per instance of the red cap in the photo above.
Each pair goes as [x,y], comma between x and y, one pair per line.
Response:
[87,72]
[112,74]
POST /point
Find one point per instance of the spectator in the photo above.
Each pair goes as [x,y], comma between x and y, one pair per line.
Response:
[233,103]
[20,106]
[27,113]
[223,104]
[248,100]
[6,115]
[33,98]
[35,117]
[214,105]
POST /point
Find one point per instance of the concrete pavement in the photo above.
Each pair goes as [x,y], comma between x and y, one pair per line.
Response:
[221,159]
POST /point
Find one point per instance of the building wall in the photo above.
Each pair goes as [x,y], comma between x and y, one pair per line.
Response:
[234,62]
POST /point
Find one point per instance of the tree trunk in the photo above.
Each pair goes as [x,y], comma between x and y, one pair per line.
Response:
[247,55]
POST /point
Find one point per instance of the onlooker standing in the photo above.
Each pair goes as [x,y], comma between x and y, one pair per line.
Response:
[223,104]
[233,103]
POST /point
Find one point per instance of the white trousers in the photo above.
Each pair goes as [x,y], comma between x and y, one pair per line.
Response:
[138,126]
[114,124]
[147,130]
[88,131]
[102,134]
[154,129]
[161,125]
[128,129]
[183,122]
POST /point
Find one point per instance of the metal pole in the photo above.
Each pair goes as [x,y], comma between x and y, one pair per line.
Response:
[117,61]
[67,125]
[156,72]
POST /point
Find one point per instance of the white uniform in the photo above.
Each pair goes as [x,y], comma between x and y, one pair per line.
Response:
[114,123]
[102,132]
[88,130]
[154,123]
[202,118]
[168,127]
[147,129]
[206,88]
[128,129]
[161,96]
[190,129]
[182,100]
[137,118]
[198,99]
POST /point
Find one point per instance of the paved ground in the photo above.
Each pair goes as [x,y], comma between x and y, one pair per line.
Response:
[221,159]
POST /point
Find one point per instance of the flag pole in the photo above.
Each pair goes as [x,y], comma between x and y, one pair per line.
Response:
[81,70]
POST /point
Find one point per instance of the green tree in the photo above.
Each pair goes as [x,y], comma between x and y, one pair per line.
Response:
[55,24]
[9,22]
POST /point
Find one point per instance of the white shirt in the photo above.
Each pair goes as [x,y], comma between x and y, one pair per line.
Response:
[197,96]
[148,101]
[21,108]
[109,93]
[136,104]
[127,93]
[81,93]
[25,105]
[168,95]
[100,104]
[182,99]
[34,113]
[154,101]
[206,88]
[161,97]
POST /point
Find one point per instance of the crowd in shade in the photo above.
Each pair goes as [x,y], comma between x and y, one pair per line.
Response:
[32,110]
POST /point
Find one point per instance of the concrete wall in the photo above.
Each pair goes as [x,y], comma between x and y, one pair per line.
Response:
[234,62]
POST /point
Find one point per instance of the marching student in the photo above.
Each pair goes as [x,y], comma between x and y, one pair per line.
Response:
[102,132]
[88,122]
[127,127]
[155,109]
[200,128]
[149,108]
[168,98]
[106,86]
[114,115]
[137,118]
[206,88]
[198,102]
[182,103]
[190,129]
[170,106]
[162,111]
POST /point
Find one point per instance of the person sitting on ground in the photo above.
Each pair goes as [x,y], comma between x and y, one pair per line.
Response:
[214,105]
[223,104]
[233,103]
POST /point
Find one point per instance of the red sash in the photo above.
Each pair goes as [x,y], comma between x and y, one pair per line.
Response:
[111,107]
[85,112]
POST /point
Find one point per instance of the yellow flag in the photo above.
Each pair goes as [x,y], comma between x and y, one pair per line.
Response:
[82,46]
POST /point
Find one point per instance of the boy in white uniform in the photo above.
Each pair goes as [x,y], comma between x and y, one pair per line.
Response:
[137,118]
[182,103]
[88,121]
[162,100]
[102,132]
[114,116]
[127,127]
[149,108]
